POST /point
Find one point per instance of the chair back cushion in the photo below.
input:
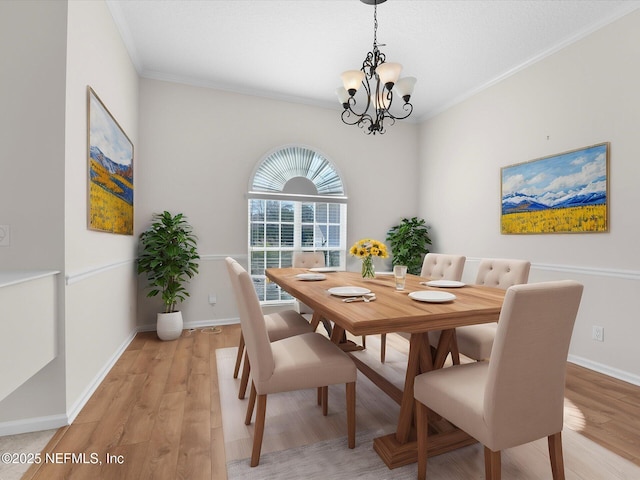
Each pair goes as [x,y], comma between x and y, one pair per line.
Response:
[440,266]
[252,322]
[524,394]
[502,272]
[308,259]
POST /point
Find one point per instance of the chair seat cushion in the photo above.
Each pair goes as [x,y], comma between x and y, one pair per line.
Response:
[466,405]
[476,341]
[307,361]
[284,324]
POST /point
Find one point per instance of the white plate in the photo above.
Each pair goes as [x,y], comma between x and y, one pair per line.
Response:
[323,269]
[432,297]
[383,274]
[310,276]
[348,291]
[445,284]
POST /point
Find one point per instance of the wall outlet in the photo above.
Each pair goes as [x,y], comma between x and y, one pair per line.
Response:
[5,235]
[212,299]
[597,333]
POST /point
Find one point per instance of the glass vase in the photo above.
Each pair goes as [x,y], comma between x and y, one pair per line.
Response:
[368,271]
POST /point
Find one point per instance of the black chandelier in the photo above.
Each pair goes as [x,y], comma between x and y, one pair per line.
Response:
[380,80]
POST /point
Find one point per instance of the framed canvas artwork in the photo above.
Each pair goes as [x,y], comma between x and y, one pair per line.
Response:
[110,156]
[563,193]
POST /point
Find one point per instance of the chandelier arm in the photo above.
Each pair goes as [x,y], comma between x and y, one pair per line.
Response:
[369,65]
[359,120]
[379,122]
[346,114]
[367,89]
[407,107]
[381,126]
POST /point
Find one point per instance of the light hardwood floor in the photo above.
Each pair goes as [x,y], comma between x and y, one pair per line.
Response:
[158,413]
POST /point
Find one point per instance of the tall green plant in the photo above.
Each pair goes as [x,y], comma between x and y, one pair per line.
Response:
[408,242]
[168,256]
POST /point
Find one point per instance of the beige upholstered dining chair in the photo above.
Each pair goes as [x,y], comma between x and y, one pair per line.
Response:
[307,260]
[279,325]
[476,341]
[304,361]
[436,266]
[518,395]
[441,266]
[312,260]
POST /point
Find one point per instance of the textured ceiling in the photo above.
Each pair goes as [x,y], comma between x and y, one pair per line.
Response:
[296,49]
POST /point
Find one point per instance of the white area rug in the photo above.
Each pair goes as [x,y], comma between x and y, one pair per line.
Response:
[330,458]
[26,443]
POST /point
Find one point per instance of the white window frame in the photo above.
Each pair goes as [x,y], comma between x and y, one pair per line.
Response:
[262,190]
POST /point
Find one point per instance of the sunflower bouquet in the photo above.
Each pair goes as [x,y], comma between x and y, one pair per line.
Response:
[366,249]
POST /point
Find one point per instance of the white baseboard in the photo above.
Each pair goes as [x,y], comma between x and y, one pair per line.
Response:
[210,323]
[27,425]
[151,327]
[605,369]
[77,406]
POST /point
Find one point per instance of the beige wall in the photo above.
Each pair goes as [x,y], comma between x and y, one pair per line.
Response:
[99,267]
[33,66]
[200,146]
[585,94]
[32,61]
[57,49]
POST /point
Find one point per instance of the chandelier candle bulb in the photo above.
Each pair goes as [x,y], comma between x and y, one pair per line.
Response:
[382,102]
[343,95]
[404,87]
[352,79]
[389,73]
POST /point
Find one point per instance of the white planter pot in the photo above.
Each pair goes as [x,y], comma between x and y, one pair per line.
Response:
[169,325]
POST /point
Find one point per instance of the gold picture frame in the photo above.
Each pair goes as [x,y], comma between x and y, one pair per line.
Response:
[110,167]
[563,193]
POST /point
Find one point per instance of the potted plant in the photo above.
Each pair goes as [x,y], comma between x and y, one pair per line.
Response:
[168,254]
[408,242]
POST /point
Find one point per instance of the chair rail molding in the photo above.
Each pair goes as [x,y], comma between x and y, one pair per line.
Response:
[580,270]
[216,257]
[593,271]
[79,276]
[76,277]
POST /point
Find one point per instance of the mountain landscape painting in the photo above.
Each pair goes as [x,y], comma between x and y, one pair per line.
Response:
[110,171]
[565,193]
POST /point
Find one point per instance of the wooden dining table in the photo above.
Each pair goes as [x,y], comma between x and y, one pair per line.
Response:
[394,311]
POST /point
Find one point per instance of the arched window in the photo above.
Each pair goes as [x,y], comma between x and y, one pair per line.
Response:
[297,202]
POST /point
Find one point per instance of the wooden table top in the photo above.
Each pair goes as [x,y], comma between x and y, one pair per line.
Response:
[392,311]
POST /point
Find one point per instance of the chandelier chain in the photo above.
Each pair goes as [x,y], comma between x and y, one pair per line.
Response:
[375,25]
